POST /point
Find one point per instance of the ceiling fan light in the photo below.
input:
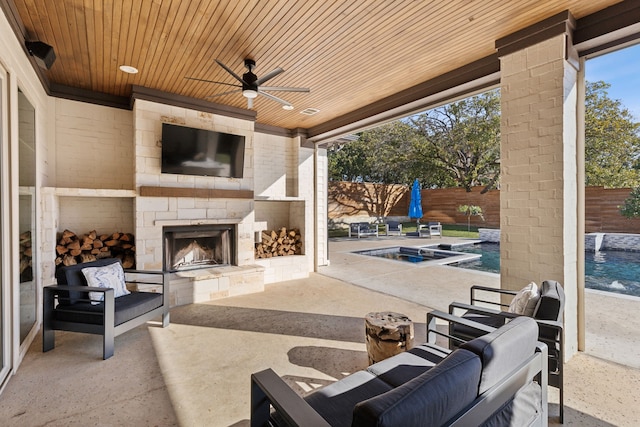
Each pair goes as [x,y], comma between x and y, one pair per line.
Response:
[249,93]
[287,107]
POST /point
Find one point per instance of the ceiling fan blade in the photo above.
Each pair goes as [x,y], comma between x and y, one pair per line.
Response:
[238,78]
[270,75]
[285,89]
[211,81]
[224,93]
[272,97]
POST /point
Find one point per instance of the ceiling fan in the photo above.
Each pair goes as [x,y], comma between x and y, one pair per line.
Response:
[251,86]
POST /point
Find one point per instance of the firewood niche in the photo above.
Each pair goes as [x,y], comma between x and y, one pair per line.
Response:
[73,249]
[280,242]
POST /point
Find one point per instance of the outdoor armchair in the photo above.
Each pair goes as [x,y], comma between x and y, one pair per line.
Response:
[548,313]
[73,305]
[393,227]
[430,229]
[359,229]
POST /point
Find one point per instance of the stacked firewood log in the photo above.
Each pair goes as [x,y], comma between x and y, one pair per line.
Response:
[26,257]
[73,249]
[279,243]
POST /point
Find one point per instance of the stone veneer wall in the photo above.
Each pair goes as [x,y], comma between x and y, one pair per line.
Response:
[612,241]
[93,146]
[281,176]
[272,165]
[90,181]
[592,241]
[539,165]
[152,213]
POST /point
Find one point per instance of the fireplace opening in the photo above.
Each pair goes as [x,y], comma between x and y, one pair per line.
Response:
[198,246]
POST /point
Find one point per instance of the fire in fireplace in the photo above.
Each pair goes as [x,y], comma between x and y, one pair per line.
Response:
[198,246]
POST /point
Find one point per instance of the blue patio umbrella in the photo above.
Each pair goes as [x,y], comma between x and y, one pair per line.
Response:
[415,205]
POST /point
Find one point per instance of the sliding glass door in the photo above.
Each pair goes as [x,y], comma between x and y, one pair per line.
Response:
[27,292]
[5,282]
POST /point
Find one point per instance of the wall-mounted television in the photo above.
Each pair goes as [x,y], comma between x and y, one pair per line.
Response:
[190,151]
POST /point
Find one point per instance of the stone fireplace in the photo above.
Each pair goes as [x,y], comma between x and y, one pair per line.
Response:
[198,246]
[276,190]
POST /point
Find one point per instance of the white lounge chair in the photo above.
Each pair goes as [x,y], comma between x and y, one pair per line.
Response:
[430,229]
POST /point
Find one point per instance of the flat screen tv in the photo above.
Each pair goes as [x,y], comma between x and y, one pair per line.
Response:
[190,151]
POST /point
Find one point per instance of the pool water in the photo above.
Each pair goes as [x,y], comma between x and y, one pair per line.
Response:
[611,271]
[417,254]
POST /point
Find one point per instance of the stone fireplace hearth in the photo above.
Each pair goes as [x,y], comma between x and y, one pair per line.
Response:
[198,246]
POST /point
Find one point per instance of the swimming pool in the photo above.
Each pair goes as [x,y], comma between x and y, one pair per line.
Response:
[611,271]
[420,254]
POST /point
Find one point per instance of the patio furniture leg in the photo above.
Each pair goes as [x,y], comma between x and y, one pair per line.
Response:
[48,334]
[108,337]
[260,406]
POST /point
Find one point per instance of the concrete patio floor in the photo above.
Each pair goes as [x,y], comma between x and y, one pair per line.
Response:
[310,331]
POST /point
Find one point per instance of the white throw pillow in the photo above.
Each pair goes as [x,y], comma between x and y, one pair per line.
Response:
[525,300]
[108,276]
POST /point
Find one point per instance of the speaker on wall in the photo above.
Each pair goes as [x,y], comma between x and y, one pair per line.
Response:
[42,52]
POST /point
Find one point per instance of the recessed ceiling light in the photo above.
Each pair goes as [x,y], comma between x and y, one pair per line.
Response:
[128,69]
[287,107]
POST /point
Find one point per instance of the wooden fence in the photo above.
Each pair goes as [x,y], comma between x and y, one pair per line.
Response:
[350,202]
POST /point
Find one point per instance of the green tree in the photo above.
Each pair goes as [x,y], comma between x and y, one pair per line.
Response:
[463,139]
[381,155]
[348,161]
[612,145]
[631,207]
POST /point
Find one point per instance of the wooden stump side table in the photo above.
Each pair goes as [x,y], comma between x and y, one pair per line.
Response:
[387,334]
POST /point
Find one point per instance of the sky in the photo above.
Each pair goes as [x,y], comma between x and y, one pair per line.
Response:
[622,70]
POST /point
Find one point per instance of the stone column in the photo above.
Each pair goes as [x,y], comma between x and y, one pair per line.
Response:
[322,184]
[539,189]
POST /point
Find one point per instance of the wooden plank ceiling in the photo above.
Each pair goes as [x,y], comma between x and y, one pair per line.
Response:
[349,53]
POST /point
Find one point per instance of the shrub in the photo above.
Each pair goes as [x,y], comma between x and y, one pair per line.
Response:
[631,207]
[469,211]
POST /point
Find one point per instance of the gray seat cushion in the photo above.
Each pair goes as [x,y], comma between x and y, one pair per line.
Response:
[504,349]
[430,399]
[127,307]
[335,402]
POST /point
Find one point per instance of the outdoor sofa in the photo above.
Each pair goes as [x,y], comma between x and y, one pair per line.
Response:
[72,305]
[498,379]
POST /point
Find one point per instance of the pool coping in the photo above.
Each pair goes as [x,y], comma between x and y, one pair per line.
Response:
[459,257]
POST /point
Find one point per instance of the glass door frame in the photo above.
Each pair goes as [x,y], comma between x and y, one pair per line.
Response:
[20,347]
[26,113]
[6,300]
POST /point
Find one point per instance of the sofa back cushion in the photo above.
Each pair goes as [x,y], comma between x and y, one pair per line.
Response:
[551,303]
[72,275]
[430,399]
[504,349]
